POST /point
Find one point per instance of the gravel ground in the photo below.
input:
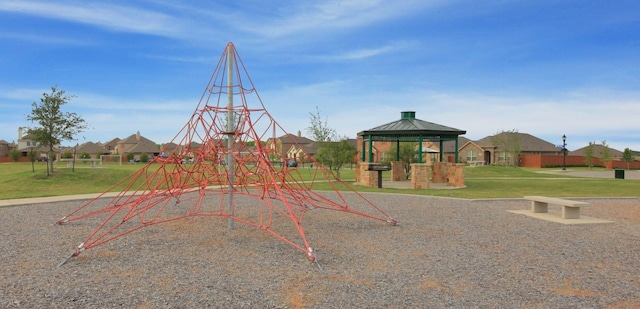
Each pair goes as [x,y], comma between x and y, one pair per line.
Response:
[445,253]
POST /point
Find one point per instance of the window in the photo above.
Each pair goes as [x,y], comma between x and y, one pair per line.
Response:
[472,155]
[504,157]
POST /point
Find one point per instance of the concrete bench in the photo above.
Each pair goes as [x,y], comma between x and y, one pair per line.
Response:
[570,209]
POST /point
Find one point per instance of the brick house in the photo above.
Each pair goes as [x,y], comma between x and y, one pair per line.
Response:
[137,144]
[281,146]
[5,147]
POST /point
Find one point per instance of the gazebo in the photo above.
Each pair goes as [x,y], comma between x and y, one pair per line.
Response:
[410,129]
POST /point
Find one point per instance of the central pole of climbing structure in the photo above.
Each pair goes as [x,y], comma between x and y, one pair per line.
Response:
[230,130]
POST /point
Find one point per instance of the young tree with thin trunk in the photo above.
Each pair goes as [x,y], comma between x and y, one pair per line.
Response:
[54,126]
[588,154]
[14,154]
[605,154]
[627,156]
[508,142]
[333,151]
[319,128]
[33,157]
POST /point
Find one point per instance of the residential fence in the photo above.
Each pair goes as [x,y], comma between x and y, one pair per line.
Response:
[540,161]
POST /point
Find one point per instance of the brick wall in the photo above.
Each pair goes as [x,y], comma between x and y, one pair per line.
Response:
[456,175]
[450,173]
[539,161]
[439,172]
[366,177]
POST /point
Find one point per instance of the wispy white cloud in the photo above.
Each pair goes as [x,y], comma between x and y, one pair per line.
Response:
[327,16]
[99,14]
[44,39]
[359,54]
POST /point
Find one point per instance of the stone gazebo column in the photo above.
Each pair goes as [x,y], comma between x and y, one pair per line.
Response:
[420,176]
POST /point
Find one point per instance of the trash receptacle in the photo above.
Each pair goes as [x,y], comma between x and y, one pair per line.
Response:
[619,174]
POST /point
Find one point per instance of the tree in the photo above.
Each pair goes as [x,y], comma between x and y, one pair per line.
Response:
[407,153]
[14,154]
[319,129]
[627,156]
[130,156]
[144,157]
[605,155]
[33,156]
[508,142]
[335,154]
[54,125]
[67,154]
[588,154]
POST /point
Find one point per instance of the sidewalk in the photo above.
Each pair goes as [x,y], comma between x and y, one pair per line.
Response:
[628,174]
[50,199]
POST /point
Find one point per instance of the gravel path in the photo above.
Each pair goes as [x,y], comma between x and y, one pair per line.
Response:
[445,253]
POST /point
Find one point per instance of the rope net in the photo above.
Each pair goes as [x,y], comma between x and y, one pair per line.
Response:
[210,169]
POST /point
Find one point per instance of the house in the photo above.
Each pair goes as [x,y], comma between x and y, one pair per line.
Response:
[598,151]
[111,146]
[379,150]
[301,152]
[280,146]
[94,150]
[5,147]
[26,144]
[490,151]
[137,145]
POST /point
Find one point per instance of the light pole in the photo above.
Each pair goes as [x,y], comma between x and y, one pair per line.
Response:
[564,152]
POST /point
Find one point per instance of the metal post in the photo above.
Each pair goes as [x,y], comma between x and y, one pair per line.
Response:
[456,150]
[370,148]
[230,129]
[564,152]
[420,149]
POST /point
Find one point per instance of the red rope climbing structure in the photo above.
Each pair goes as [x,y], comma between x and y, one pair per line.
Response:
[217,166]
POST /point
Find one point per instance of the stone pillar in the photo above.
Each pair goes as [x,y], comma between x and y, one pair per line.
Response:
[397,171]
[455,175]
[366,177]
[419,176]
[439,172]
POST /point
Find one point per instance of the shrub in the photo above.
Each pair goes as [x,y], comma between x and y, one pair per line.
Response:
[144,157]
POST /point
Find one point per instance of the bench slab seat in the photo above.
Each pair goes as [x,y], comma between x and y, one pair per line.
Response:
[570,209]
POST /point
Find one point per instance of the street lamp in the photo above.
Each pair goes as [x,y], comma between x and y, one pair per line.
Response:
[564,152]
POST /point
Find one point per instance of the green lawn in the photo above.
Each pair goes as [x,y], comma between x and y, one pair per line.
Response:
[18,181]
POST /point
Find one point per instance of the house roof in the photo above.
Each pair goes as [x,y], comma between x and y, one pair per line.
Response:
[528,143]
[292,138]
[111,143]
[137,143]
[450,146]
[597,151]
[91,147]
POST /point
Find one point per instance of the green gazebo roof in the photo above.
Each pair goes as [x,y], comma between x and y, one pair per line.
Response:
[409,126]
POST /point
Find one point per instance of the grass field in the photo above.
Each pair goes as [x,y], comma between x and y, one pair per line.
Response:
[18,181]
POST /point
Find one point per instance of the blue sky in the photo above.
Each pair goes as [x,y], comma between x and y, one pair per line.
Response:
[546,68]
